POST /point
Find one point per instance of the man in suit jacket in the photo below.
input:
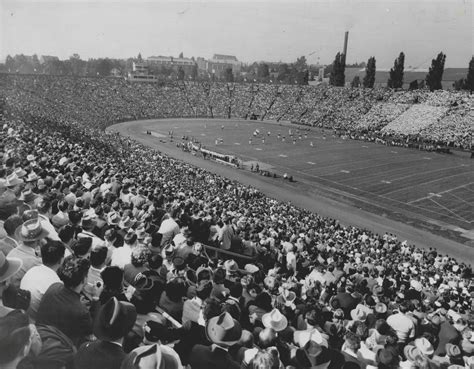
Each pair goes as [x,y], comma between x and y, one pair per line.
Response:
[224,332]
[114,320]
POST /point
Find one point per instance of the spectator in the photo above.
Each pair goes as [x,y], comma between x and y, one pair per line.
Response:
[61,306]
[38,279]
[29,234]
[114,321]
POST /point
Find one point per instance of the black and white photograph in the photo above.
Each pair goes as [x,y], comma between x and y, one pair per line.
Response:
[236,184]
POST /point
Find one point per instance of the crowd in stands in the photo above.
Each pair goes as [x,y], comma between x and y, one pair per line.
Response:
[104,261]
[440,118]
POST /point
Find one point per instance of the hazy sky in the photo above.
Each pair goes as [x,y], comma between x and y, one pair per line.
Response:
[251,30]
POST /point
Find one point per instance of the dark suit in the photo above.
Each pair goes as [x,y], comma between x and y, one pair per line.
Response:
[100,355]
[205,357]
[61,307]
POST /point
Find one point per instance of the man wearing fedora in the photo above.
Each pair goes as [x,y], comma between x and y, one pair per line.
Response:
[8,268]
[114,321]
[223,331]
[29,235]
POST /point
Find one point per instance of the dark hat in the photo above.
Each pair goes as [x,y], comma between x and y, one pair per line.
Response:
[31,230]
[178,262]
[386,357]
[114,320]
[223,330]
[154,331]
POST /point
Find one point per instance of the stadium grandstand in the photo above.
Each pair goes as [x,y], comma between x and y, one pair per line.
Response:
[114,255]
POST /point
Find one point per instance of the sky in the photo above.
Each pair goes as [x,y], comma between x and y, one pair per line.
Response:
[251,30]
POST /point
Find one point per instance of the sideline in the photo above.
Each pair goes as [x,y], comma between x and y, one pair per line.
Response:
[302,198]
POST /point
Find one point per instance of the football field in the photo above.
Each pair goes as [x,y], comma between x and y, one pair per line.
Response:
[423,189]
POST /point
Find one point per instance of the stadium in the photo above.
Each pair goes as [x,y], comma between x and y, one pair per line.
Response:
[167,223]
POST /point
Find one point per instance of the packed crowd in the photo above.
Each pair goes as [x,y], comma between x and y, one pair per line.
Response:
[104,264]
[439,118]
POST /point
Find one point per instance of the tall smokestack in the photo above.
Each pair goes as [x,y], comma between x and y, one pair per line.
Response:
[346,37]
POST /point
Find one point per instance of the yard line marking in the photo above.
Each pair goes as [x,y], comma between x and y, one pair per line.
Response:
[345,171]
[310,162]
[394,152]
[236,143]
[426,158]
[456,215]
[433,194]
[258,149]
[460,199]
[440,193]
[365,146]
[283,156]
[384,181]
[203,134]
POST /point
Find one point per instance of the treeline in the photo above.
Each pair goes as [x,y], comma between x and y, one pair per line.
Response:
[432,80]
[298,72]
[73,66]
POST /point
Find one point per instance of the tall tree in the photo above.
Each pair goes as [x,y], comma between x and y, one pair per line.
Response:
[139,57]
[10,63]
[435,74]
[181,55]
[194,72]
[228,75]
[181,73]
[413,85]
[369,79]
[283,72]
[469,84]
[395,79]
[302,77]
[337,76]
[356,82]
[301,64]
[263,71]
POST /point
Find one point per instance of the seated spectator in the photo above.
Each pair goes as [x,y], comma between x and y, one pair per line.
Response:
[8,268]
[98,258]
[61,305]
[38,279]
[18,339]
[139,264]
[10,225]
[29,234]
[223,331]
[113,322]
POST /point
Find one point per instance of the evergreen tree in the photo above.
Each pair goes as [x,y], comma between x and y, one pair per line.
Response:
[356,82]
[369,79]
[395,79]
[435,74]
[194,72]
[413,85]
[469,83]
[228,75]
[180,74]
[337,77]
